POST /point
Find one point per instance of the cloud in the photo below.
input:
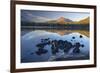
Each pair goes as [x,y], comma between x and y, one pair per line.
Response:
[27,16]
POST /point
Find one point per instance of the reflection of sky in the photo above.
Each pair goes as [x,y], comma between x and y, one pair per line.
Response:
[75,16]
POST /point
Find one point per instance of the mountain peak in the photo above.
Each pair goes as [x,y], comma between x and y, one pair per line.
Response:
[63,20]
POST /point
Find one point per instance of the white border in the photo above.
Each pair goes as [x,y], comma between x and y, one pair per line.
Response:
[52,64]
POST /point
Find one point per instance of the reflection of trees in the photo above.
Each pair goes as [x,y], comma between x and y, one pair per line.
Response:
[57,26]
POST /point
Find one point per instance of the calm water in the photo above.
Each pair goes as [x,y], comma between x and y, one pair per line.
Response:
[29,39]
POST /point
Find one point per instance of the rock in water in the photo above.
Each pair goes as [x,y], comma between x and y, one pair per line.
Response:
[31,39]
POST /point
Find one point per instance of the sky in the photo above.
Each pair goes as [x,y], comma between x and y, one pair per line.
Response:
[52,15]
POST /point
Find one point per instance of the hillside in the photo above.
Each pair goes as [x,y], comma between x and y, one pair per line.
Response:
[84,21]
[63,20]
